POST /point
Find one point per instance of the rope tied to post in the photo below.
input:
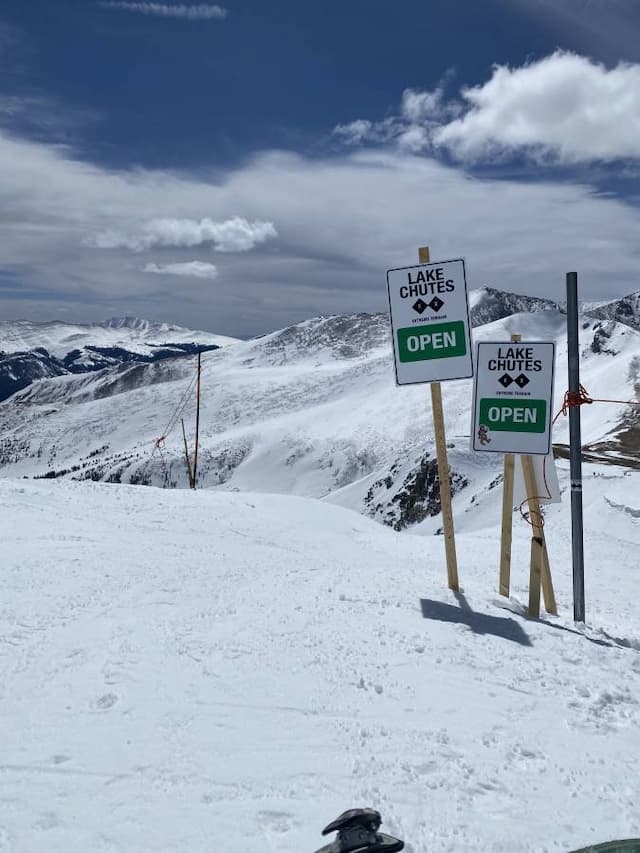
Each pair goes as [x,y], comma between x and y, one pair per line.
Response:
[571,400]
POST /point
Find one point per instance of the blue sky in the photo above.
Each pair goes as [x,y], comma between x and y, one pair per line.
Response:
[245,165]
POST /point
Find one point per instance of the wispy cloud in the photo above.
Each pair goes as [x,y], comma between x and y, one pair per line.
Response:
[201,12]
[564,108]
[342,220]
[231,235]
[193,269]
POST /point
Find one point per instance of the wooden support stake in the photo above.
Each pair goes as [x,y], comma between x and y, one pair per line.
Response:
[547,583]
[507,524]
[540,573]
[443,468]
[507,515]
[186,456]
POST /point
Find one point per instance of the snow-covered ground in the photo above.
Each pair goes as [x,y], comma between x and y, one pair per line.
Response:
[188,672]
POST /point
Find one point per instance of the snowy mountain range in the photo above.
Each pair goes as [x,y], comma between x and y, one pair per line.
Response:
[182,667]
[310,410]
[32,351]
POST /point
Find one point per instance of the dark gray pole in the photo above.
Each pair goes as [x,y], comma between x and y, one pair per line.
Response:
[575,449]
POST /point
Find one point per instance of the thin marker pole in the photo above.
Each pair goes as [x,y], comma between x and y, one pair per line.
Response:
[197,444]
[575,450]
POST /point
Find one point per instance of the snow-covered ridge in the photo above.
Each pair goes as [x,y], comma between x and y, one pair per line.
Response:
[311,410]
[625,310]
[487,305]
[131,333]
[36,351]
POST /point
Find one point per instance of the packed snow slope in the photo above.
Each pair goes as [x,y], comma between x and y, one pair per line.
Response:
[312,410]
[188,672]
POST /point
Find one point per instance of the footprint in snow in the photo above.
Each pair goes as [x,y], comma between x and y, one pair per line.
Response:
[103,703]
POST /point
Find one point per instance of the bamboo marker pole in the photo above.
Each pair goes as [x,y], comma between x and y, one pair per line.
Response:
[443,468]
[195,452]
[506,537]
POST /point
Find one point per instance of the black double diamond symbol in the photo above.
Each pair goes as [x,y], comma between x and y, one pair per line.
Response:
[421,306]
[522,380]
[505,380]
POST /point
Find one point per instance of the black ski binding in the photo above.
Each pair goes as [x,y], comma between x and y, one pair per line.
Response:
[358,833]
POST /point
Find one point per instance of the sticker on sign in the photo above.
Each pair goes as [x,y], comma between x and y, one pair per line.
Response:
[430,322]
[513,397]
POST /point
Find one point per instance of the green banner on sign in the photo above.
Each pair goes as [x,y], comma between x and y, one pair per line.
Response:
[513,415]
[632,845]
[433,340]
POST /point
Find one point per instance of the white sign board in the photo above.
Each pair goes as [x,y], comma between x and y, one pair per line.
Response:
[430,322]
[547,485]
[513,398]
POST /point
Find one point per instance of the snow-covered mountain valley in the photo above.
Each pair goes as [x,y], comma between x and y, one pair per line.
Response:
[312,410]
[229,668]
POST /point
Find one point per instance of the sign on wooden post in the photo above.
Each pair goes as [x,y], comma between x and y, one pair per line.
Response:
[430,329]
[512,414]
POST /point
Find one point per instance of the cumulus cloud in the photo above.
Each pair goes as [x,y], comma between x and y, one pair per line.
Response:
[194,269]
[201,12]
[564,108]
[232,235]
[421,112]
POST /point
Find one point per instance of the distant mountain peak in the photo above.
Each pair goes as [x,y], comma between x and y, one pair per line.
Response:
[136,324]
[624,310]
[487,304]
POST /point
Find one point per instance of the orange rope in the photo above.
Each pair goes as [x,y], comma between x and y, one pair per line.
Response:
[571,400]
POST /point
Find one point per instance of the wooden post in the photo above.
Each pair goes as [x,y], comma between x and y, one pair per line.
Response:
[540,573]
[186,456]
[443,468]
[195,451]
[507,524]
[507,515]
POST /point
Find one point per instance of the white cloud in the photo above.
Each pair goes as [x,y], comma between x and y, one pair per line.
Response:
[564,106]
[194,269]
[190,13]
[355,132]
[420,113]
[341,221]
[231,235]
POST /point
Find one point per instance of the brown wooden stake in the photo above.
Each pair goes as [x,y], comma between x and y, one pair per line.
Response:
[540,572]
[186,456]
[507,524]
[547,583]
[507,515]
[195,451]
[443,468]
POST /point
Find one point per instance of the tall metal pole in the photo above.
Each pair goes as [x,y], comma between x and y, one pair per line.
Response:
[575,449]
